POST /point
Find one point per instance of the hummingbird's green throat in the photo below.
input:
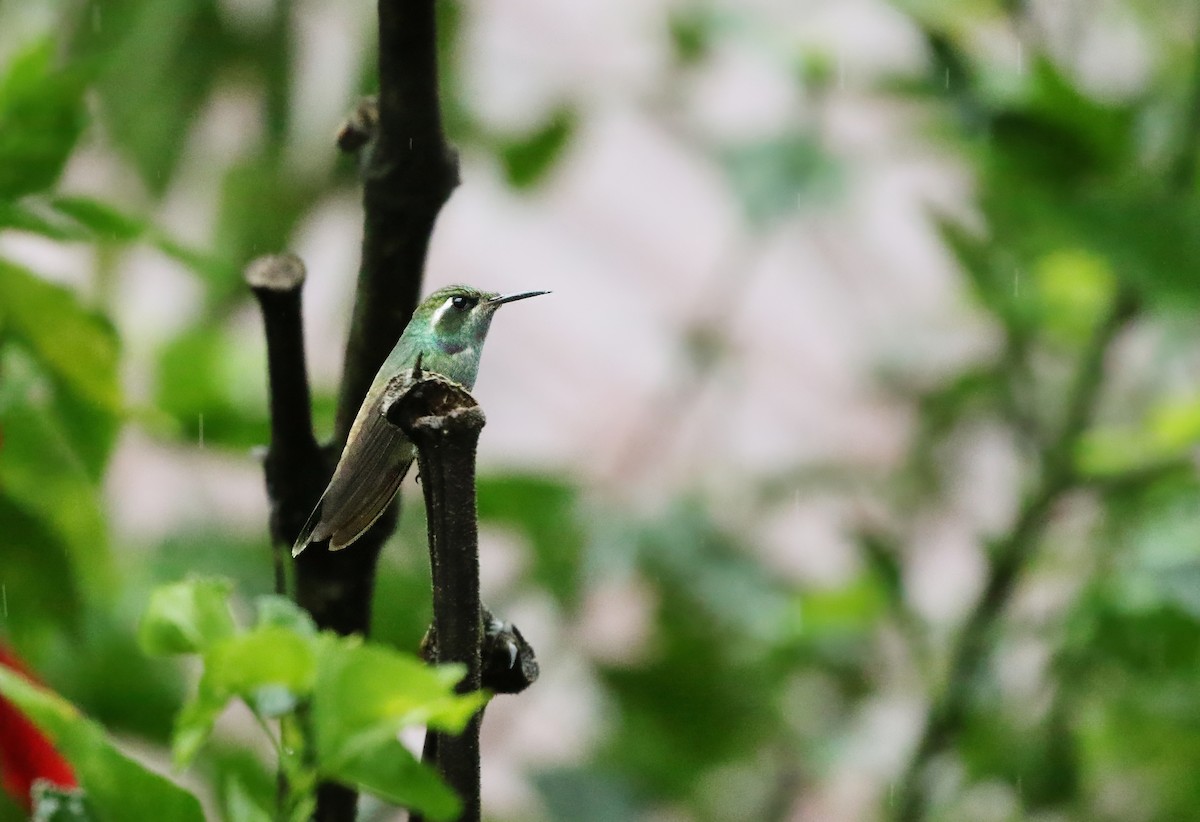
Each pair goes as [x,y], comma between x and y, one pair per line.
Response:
[447,332]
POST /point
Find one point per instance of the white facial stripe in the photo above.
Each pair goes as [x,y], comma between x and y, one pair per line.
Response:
[437,315]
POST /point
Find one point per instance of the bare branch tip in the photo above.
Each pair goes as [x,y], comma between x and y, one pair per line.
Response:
[360,127]
[276,272]
[426,401]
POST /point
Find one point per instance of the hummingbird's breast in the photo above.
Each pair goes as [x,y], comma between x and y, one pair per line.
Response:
[462,366]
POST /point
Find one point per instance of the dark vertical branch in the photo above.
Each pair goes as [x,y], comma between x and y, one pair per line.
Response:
[409,173]
[294,469]
[444,422]
[295,466]
[507,665]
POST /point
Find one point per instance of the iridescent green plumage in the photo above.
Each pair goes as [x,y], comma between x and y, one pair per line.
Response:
[447,331]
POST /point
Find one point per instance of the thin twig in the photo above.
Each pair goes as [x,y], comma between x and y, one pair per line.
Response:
[1011,556]
[1182,175]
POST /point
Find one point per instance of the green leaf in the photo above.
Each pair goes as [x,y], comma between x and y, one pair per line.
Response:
[691,30]
[281,612]
[195,722]
[1174,425]
[364,696]
[1038,753]
[267,656]
[76,345]
[101,219]
[41,116]
[25,216]
[118,788]
[248,791]
[187,617]
[157,61]
[1074,288]
[261,205]
[698,561]
[90,430]
[102,670]
[545,509]
[850,611]
[76,219]
[387,769]
[774,178]
[368,690]
[993,277]
[203,373]
[588,795]
[1149,241]
[1063,173]
[724,627]
[207,265]
[1055,133]
[82,429]
[1171,431]
[43,473]
[36,571]
[528,159]
[271,668]
[241,805]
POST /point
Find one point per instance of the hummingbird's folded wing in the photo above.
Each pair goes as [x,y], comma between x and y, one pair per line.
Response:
[375,460]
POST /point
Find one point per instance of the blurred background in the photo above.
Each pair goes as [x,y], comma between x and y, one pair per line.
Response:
[846,475]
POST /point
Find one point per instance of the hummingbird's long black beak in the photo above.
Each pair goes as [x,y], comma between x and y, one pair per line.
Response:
[512,298]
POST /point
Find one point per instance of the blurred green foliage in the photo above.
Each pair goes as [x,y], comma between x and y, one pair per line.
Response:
[751,688]
[116,786]
[355,698]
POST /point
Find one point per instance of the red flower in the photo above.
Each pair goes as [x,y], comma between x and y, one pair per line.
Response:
[25,753]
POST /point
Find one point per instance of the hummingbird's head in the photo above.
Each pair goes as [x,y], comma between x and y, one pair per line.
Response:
[457,317]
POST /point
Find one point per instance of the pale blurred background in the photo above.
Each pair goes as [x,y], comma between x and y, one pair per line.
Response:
[730,392]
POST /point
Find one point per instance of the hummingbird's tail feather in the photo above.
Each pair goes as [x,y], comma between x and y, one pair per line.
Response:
[309,532]
[356,526]
[368,474]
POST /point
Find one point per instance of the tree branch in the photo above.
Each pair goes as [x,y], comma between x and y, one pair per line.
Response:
[294,468]
[444,422]
[507,666]
[408,173]
[1011,556]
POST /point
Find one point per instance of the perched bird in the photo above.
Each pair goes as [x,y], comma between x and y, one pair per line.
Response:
[447,332]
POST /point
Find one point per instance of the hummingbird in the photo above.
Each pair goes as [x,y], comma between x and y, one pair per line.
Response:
[445,335]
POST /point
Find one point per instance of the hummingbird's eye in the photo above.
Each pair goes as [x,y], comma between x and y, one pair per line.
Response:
[463,303]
